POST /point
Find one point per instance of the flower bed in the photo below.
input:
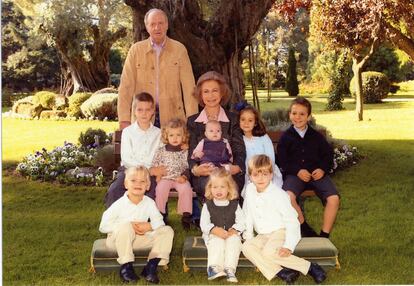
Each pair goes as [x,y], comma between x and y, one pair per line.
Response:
[68,164]
[345,156]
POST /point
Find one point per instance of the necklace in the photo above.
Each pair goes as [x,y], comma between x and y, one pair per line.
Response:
[211,116]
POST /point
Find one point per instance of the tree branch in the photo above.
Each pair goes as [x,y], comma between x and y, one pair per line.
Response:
[400,40]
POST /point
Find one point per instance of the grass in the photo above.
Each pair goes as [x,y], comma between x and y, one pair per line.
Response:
[21,137]
[48,229]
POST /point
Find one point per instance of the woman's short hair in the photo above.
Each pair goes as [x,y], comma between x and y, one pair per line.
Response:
[138,170]
[259,128]
[259,163]
[172,124]
[221,173]
[217,77]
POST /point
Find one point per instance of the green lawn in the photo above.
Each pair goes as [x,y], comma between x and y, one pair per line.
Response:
[21,137]
[48,229]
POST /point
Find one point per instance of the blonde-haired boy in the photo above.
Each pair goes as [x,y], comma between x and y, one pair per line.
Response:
[127,226]
[268,211]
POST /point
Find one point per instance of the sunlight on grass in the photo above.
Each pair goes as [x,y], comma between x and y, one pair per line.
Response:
[21,137]
[373,231]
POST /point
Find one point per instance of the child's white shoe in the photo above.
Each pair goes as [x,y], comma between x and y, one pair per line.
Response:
[231,276]
[214,272]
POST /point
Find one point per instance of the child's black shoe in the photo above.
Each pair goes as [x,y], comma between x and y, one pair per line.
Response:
[186,221]
[307,231]
[165,218]
[150,271]
[317,273]
[288,275]
[196,223]
[127,273]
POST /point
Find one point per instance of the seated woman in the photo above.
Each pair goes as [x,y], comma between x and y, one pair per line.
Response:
[213,92]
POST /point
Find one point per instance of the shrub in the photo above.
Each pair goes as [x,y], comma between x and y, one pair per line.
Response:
[75,102]
[315,87]
[61,102]
[340,78]
[100,106]
[278,119]
[292,85]
[105,90]
[44,98]
[87,139]
[115,79]
[23,106]
[375,86]
[52,114]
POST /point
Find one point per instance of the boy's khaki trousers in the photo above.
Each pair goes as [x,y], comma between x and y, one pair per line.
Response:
[124,241]
[263,250]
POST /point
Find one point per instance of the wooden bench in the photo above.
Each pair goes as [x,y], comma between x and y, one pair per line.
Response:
[104,259]
[314,249]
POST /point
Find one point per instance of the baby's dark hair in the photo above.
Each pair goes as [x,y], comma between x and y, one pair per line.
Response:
[301,101]
[259,128]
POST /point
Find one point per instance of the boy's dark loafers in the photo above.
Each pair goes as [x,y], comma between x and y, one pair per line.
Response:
[150,276]
[288,275]
[186,221]
[317,273]
[127,273]
[307,231]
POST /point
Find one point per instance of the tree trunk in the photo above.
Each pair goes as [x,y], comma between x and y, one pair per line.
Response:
[357,69]
[358,62]
[253,78]
[92,74]
[215,43]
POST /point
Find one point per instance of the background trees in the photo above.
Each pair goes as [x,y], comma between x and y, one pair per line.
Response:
[83,32]
[27,63]
[47,44]
[353,25]
[214,32]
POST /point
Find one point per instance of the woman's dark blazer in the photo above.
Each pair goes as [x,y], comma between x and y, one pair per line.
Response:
[232,132]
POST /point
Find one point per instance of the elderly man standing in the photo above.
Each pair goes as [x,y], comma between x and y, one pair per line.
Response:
[161,67]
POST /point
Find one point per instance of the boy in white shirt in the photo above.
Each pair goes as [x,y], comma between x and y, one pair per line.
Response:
[127,226]
[268,211]
[139,142]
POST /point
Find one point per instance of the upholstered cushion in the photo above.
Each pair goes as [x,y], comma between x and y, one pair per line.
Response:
[315,249]
[105,259]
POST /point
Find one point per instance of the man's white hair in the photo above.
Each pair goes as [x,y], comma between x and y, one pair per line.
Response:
[154,10]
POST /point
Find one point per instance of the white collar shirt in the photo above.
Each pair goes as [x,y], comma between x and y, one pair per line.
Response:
[301,132]
[125,211]
[269,211]
[138,146]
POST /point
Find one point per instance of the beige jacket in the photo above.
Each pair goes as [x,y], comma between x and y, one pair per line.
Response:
[176,80]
